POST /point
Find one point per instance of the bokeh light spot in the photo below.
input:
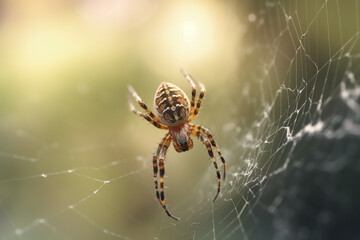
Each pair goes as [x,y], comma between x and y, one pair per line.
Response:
[190,31]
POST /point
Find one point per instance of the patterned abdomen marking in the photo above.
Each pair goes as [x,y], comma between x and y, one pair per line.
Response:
[171,104]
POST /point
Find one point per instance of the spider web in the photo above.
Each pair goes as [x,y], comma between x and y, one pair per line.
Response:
[290,137]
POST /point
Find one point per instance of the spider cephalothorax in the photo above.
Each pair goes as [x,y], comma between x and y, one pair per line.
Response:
[181,137]
[174,112]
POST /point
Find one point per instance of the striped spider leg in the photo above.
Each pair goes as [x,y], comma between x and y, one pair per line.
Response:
[161,154]
[194,110]
[149,116]
[207,139]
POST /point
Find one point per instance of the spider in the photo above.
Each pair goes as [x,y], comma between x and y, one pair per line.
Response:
[174,112]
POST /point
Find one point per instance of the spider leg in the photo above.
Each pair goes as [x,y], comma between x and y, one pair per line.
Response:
[193,88]
[155,163]
[205,141]
[206,132]
[161,153]
[150,117]
[194,111]
[162,196]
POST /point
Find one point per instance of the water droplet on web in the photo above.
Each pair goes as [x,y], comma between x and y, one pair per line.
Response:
[251,17]
[41,220]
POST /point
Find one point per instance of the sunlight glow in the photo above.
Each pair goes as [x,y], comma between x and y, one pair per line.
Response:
[190,31]
[191,34]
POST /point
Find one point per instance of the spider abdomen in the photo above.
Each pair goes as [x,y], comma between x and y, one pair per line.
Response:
[171,104]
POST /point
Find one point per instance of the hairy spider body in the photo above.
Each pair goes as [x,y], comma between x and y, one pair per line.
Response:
[174,111]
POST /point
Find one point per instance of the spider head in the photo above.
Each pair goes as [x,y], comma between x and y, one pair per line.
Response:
[181,138]
[182,144]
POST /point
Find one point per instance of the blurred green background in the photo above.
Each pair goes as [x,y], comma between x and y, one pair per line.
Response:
[64,68]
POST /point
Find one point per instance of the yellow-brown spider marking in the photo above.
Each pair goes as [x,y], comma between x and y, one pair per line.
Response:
[174,111]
